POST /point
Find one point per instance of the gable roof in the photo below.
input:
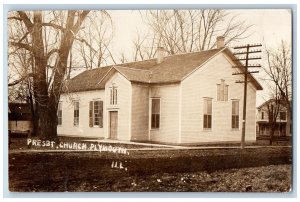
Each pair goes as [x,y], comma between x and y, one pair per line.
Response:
[173,69]
[85,81]
[272,100]
[133,74]
[250,76]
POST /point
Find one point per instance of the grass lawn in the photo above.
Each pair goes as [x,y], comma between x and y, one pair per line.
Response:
[160,170]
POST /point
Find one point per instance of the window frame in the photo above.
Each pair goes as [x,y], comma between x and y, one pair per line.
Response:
[207,118]
[235,118]
[280,112]
[92,115]
[76,112]
[113,95]
[59,114]
[96,120]
[157,117]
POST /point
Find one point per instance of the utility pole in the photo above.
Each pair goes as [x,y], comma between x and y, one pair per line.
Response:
[246,51]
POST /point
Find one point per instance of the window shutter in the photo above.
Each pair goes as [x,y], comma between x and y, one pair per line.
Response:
[101,113]
[91,114]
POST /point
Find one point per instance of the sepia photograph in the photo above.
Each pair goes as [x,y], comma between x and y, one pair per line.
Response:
[150,100]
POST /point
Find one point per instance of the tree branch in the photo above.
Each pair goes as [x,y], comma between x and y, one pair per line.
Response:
[14,18]
[55,26]
[21,45]
[20,80]
[26,20]
[79,21]
[55,50]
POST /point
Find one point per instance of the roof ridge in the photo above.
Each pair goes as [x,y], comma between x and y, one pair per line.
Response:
[136,61]
[141,61]
[117,66]
[178,54]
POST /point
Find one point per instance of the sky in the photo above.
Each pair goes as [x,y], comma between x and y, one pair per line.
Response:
[270,26]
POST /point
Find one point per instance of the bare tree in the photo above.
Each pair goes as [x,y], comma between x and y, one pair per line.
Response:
[279,72]
[94,39]
[181,31]
[49,37]
[273,108]
[20,81]
[144,46]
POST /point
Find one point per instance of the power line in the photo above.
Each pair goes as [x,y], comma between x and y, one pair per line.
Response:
[245,72]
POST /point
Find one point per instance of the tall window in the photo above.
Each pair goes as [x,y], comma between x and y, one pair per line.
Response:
[235,114]
[59,114]
[262,115]
[222,91]
[282,115]
[76,113]
[207,113]
[113,95]
[96,113]
[155,113]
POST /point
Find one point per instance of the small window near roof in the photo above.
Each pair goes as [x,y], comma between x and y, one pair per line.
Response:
[113,95]
[222,91]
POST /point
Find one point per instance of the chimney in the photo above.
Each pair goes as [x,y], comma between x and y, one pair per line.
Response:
[220,42]
[160,54]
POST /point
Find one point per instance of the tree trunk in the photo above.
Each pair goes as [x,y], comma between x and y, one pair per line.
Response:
[35,119]
[272,130]
[47,95]
[48,123]
[35,122]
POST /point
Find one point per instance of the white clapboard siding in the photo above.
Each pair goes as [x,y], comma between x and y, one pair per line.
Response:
[251,113]
[140,112]
[83,129]
[169,113]
[203,83]
[123,106]
[266,114]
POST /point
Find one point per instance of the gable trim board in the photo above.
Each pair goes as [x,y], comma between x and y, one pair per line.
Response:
[146,80]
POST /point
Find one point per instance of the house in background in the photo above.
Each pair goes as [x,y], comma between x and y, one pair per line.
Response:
[19,117]
[263,126]
[184,98]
